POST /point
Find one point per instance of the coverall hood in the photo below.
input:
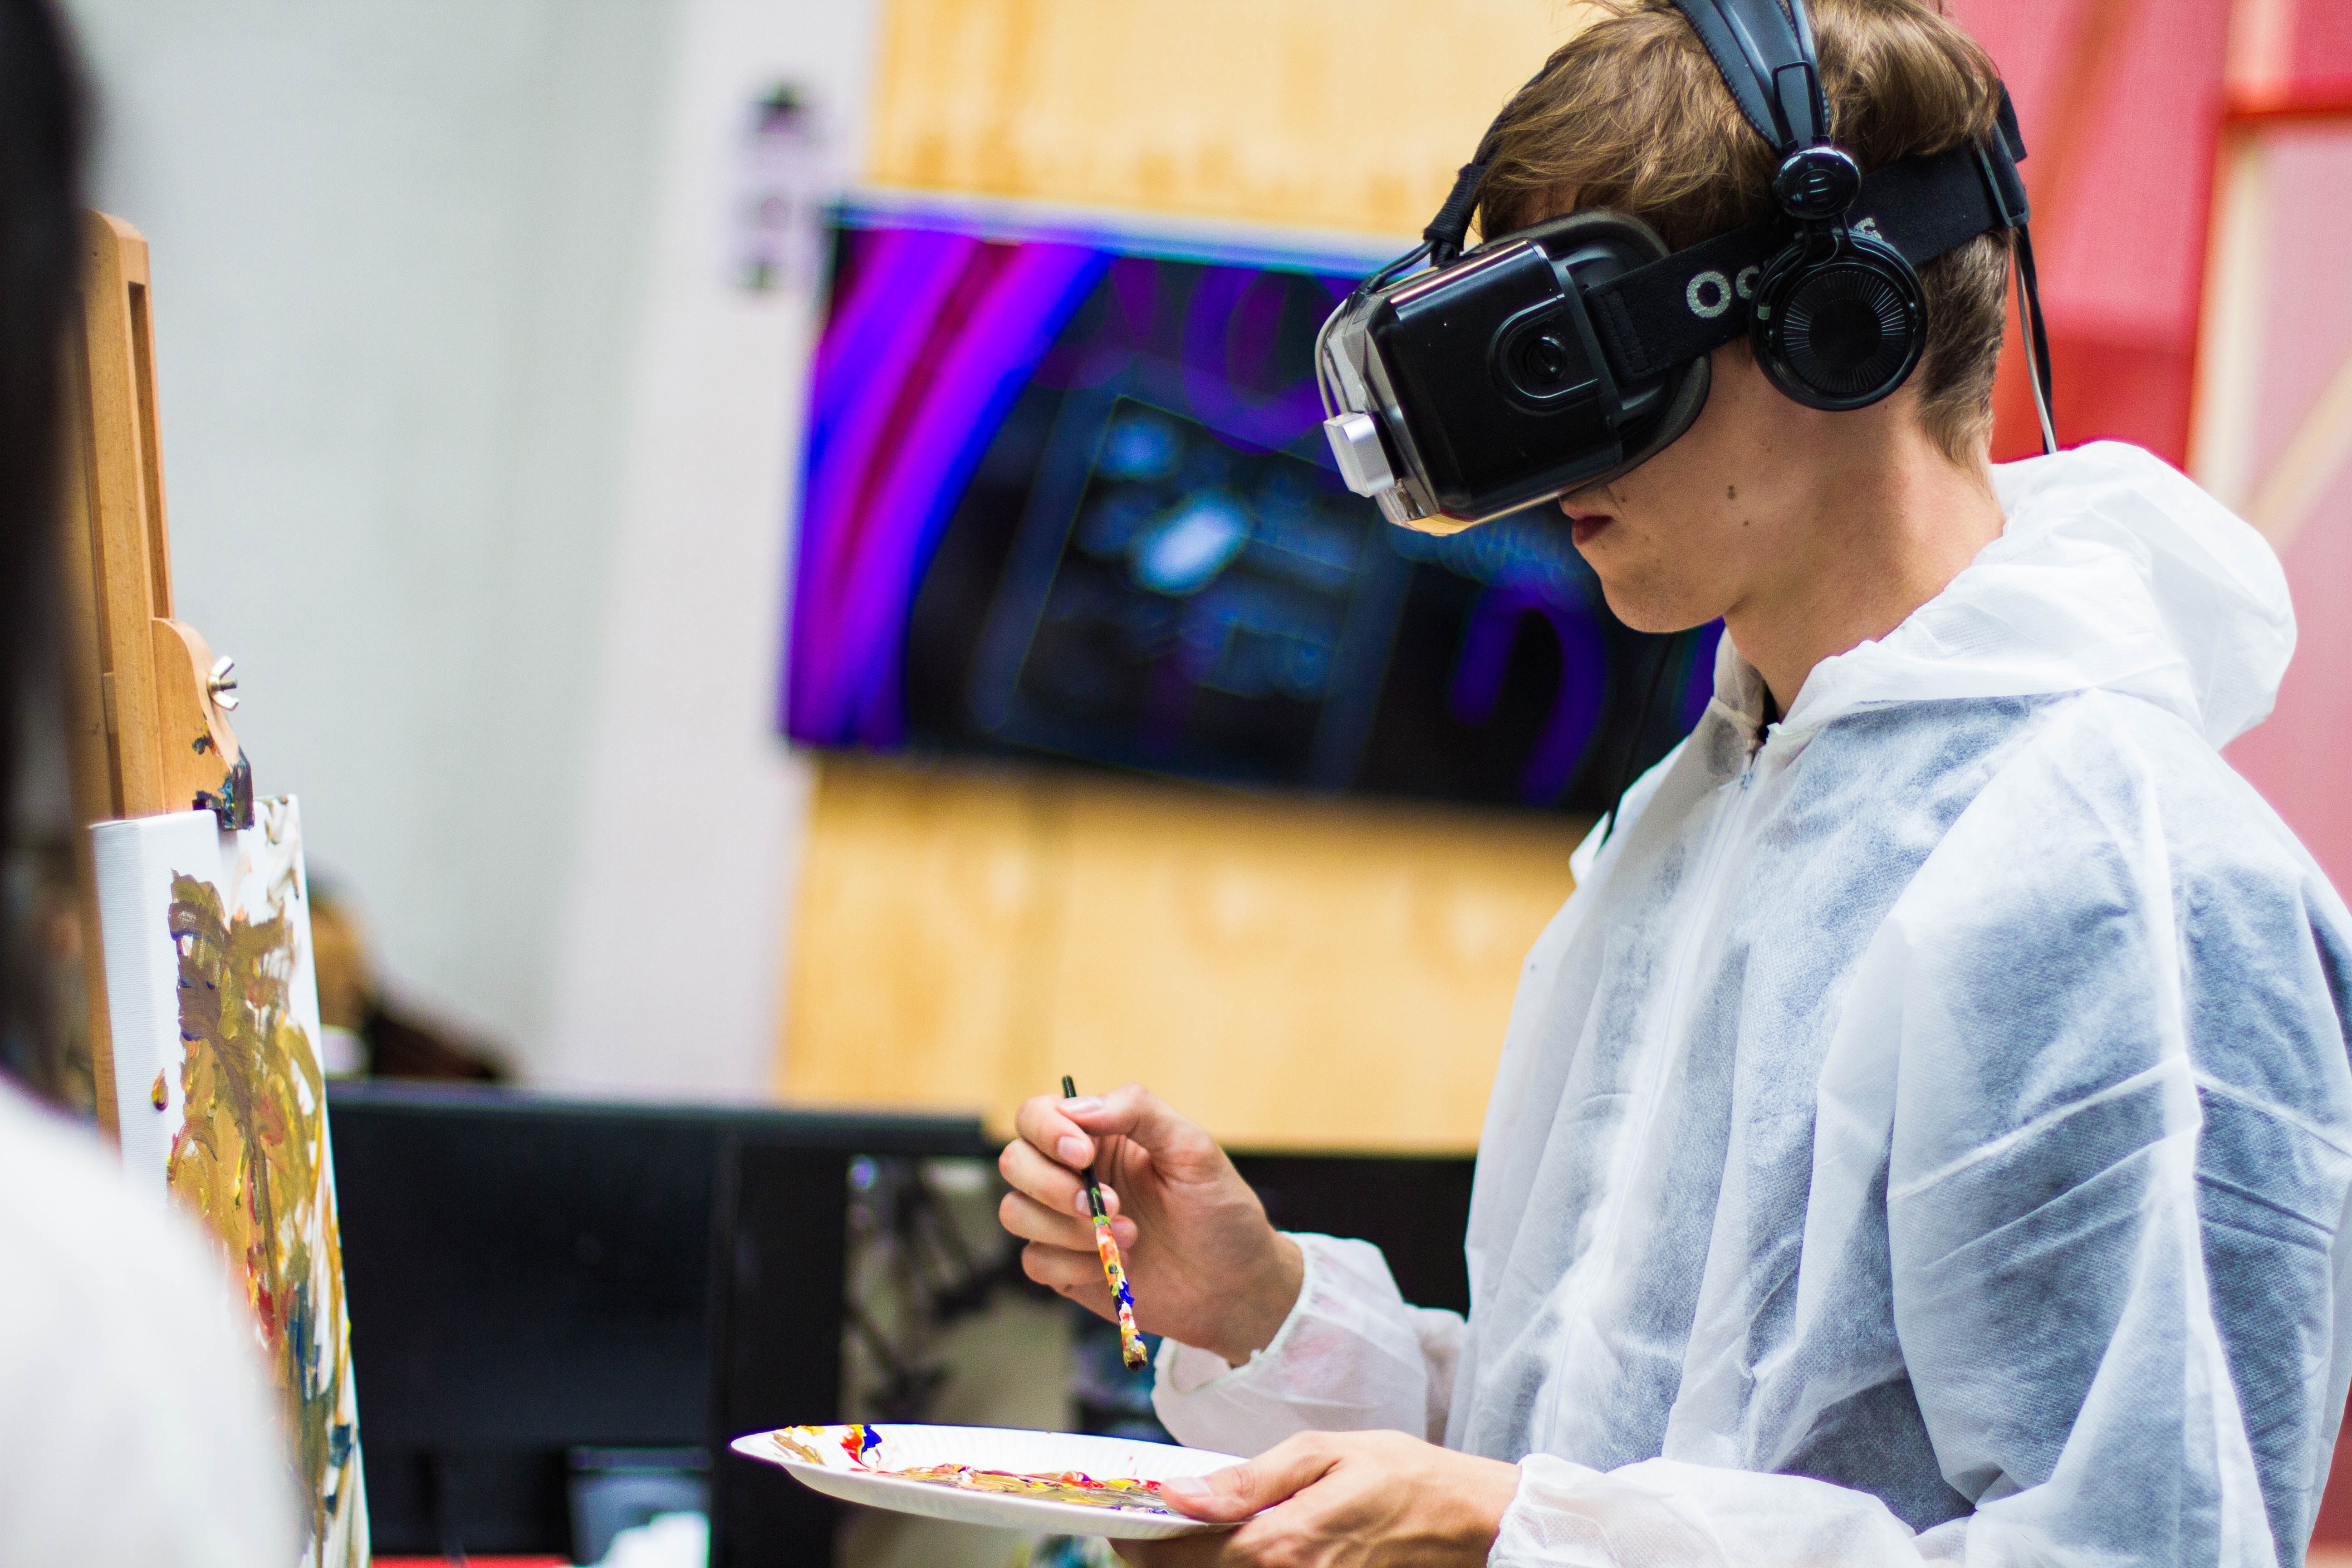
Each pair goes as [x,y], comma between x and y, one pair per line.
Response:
[2114,572]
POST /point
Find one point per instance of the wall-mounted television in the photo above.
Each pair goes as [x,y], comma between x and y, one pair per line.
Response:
[1067,496]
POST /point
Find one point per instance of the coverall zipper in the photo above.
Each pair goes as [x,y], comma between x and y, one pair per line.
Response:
[1694,931]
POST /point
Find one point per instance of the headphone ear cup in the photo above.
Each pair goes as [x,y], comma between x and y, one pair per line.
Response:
[1838,329]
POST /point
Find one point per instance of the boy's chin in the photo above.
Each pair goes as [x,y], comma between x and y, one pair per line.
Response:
[1642,608]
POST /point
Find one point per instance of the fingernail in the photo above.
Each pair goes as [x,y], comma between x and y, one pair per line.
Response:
[1085,1105]
[1123,1231]
[1185,1490]
[1073,1149]
[1085,1210]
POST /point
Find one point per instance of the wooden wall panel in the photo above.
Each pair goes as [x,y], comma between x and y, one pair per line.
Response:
[1329,113]
[916,948]
[1296,973]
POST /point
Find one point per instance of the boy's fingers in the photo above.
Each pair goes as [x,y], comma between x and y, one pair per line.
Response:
[1237,1491]
[1143,1117]
[1078,1275]
[1027,1218]
[1043,1124]
[1048,1181]
[1068,1131]
[1030,1220]
[1051,1185]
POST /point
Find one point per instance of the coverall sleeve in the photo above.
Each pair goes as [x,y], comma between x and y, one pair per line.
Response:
[1352,1356]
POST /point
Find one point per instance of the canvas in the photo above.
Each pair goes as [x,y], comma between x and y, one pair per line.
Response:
[214,1003]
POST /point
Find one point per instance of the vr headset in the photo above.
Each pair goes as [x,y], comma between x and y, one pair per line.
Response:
[1568,353]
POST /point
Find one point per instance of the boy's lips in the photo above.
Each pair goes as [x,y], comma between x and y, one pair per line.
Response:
[1586,526]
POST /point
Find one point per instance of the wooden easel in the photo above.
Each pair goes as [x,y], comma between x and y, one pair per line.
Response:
[146,702]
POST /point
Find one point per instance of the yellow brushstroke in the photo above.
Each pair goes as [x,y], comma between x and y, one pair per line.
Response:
[246,1160]
[799,1451]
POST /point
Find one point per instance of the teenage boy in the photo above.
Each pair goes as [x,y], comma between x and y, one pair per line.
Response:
[1926,1134]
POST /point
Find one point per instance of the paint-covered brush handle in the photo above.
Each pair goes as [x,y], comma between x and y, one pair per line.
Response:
[1094,1184]
[1130,1342]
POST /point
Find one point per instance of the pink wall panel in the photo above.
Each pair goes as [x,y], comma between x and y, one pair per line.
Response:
[2118,100]
[2323,41]
[2301,757]
[2308,333]
[2123,253]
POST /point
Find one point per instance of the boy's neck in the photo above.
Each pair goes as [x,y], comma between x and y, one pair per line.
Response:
[1880,532]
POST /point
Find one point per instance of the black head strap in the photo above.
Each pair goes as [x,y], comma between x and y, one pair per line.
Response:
[1450,229]
[1671,310]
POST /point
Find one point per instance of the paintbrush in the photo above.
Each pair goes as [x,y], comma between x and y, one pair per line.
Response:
[1130,1343]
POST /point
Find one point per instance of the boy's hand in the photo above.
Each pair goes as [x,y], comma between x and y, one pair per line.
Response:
[1205,1267]
[1365,1499]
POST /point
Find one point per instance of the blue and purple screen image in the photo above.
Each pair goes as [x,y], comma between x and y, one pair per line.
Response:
[1067,495]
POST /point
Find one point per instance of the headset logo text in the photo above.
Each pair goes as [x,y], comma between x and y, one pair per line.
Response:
[1710,293]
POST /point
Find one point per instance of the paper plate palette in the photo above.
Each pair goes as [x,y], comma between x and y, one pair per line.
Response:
[858,1464]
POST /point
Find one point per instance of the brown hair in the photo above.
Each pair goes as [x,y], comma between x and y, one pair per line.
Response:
[1631,114]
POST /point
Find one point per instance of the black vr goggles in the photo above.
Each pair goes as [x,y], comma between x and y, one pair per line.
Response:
[1566,355]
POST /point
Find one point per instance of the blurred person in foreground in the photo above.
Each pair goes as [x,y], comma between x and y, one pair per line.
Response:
[135,1427]
[1927,1133]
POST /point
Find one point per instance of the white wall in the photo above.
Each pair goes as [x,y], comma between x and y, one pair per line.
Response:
[477,465]
[687,841]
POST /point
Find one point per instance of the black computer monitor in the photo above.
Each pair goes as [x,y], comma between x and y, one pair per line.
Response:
[553,1301]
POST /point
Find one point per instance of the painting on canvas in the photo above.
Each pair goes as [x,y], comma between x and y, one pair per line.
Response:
[215,1005]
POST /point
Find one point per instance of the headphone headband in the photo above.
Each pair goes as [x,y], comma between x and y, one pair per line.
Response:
[1765,57]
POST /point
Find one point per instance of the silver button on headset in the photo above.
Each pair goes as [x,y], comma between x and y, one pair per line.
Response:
[1356,447]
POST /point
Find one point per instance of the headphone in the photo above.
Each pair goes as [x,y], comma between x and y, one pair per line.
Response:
[1838,320]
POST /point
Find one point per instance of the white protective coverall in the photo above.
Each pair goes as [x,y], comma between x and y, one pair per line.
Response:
[1935,1118]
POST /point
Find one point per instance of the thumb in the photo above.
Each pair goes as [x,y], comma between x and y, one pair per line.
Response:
[1135,1112]
[1237,1491]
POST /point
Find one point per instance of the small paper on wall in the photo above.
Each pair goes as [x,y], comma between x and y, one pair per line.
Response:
[215,1010]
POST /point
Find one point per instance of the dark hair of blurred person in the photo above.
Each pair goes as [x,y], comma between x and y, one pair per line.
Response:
[41,140]
[135,1420]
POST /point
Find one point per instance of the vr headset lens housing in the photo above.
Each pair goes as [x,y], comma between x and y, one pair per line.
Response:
[1476,389]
